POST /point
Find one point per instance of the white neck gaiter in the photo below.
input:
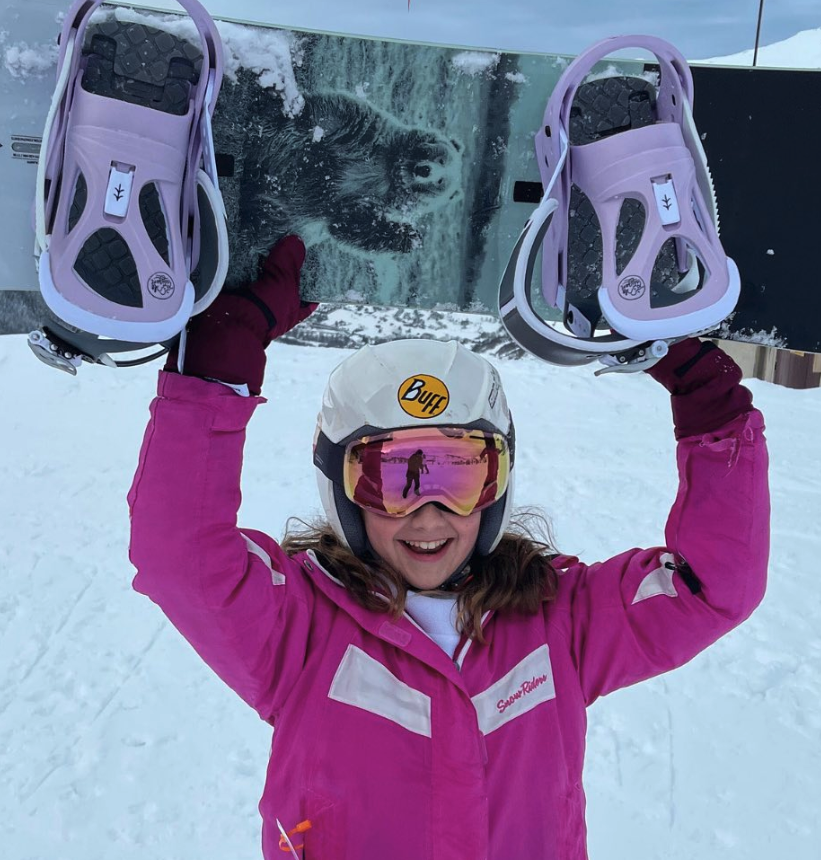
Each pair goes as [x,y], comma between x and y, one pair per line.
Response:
[437,617]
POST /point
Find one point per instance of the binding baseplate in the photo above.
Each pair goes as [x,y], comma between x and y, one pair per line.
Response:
[628,221]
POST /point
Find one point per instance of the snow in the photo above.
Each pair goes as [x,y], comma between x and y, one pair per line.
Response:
[270,54]
[614,71]
[762,337]
[475,62]
[22,59]
[115,740]
[699,29]
[801,51]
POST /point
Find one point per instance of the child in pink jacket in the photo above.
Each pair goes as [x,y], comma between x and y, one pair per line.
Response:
[425,665]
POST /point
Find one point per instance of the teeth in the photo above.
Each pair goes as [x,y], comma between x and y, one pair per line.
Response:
[426,545]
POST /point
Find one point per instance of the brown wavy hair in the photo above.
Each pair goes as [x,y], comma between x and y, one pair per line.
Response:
[517,576]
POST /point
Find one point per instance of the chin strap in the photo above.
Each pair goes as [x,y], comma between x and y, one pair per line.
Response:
[453,583]
[456,580]
[460,577]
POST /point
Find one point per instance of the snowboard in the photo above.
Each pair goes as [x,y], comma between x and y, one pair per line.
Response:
[409,168]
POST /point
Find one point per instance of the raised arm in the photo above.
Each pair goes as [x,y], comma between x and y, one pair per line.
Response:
[234,595]
[648,611]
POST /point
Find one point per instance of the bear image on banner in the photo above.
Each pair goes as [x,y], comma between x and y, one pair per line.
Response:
[341,170]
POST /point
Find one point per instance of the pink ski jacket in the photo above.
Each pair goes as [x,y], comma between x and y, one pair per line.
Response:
[390,748]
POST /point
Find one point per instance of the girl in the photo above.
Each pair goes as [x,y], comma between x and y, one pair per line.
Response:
[425,668]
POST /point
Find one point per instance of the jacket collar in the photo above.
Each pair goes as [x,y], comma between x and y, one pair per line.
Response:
[402,633]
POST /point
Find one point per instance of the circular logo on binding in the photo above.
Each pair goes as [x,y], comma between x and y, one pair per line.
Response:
[631,288]
[423,396]
[161,286]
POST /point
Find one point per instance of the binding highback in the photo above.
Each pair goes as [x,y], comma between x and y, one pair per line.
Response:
[127,179]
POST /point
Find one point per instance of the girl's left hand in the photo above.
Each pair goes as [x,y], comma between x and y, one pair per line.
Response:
[706,386]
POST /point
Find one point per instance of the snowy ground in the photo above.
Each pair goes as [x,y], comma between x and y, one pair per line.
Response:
[115,741]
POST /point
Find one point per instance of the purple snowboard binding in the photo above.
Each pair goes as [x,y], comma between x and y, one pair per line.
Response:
[628,222]
[131,233]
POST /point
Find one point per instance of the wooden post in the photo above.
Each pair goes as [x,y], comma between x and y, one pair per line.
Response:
[780,366]
[797,370]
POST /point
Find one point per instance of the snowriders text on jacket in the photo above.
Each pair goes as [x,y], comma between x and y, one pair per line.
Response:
[389,747]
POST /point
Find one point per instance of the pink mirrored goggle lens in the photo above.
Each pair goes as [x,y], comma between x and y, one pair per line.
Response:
[395,473]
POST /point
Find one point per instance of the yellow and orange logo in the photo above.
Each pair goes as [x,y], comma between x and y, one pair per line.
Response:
[423,396]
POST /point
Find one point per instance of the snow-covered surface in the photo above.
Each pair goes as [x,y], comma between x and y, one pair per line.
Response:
[116,741]
[268,53]
[801,51]
[22,59]
[475,62]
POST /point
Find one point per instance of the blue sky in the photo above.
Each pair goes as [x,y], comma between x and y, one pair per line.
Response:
[699,28]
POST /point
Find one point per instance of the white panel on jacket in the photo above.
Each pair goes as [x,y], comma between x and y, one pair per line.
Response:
[527,684]
[659,581]
[363,682]
[255,549]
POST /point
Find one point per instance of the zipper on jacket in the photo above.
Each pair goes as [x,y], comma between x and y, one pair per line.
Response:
[686,573]
[464,643]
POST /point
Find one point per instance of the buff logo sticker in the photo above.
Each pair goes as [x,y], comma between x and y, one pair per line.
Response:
[423,396]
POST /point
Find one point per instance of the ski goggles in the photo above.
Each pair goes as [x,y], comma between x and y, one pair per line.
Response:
[397,472]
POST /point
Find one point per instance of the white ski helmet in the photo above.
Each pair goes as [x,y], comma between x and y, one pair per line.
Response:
[452,387]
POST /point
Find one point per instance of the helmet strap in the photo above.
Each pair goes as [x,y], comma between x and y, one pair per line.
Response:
[458,579]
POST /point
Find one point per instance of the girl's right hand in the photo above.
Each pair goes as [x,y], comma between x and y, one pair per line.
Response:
[227,341]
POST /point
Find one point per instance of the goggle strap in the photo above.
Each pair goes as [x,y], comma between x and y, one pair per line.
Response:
[329,458]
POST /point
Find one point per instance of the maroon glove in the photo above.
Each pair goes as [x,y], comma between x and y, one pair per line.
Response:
[705,386]
[227,341]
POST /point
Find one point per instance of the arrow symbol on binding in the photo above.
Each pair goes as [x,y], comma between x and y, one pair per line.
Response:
[118,192]
[667,202]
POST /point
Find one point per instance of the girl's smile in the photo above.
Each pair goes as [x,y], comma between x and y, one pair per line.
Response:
[426,546]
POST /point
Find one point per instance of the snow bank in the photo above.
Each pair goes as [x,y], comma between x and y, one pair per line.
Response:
[801,51]
[116,741]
